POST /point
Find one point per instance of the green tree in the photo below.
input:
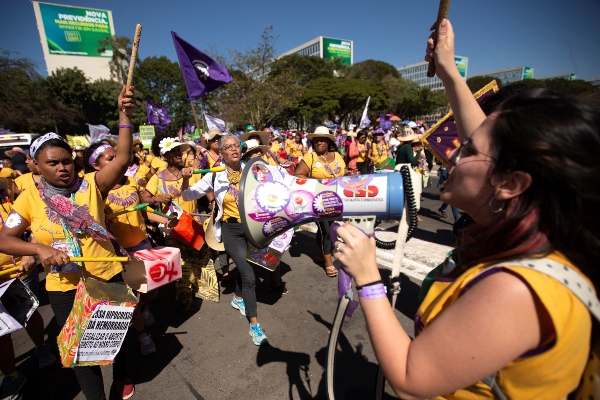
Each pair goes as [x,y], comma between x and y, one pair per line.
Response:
[254,96]
[477,82]
[25,105]
[372,70]
[341,100]
[121,53]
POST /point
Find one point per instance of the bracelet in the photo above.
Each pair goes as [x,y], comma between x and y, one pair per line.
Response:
[125,125]
[373,292]
[369,284]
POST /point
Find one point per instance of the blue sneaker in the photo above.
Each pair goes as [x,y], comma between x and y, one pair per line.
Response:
[239,305]
[258,336]
[12,385]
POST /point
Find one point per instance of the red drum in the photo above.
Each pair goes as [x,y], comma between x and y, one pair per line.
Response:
[189,231]
[153,268]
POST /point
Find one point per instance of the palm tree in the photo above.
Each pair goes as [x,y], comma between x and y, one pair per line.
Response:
[121,51]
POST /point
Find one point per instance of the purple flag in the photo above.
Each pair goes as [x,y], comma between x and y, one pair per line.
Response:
[213,122]
[189,129]
[384,121]
[201,73]
[157,115]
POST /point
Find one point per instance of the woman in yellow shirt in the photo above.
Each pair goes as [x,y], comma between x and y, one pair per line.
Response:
[511,331]
[165,188]
[379,149]
[324,162]
[28,180]
[66,215]
[296,149]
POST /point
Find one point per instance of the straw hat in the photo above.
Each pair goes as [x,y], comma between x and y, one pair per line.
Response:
[263,135]
[253,144]
[210,135]
[321,131]
[408,138]
[11,152]
[209,235]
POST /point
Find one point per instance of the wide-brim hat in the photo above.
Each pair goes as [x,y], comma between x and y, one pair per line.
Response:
[11,152]
[263,135]
[253,144]
[408,138]
[210,135]
[168,144]
[415,141]
[209,235]
[323,132]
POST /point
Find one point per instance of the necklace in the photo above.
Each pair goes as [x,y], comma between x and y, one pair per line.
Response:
[177,176]
[327,166]
[234,181]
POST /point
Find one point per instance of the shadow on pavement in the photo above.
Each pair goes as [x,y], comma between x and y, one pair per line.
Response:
[297,365]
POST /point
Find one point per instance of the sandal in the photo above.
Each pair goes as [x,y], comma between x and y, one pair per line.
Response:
[331,271]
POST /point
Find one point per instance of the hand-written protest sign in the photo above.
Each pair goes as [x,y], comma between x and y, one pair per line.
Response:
[104,333]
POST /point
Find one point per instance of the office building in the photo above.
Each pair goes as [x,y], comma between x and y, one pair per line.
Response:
[594,81]
[510,75]
[568,77]
[327,48]
[418,73]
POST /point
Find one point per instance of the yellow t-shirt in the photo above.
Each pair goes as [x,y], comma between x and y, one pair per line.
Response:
[556,371]
[6,261]
[230,208]
[158,164]
[129,229]
[275,147]
[212,161]
[295,149]
[379,152]
[320,169]
[269,160]
[25,182]
[362,151]
[174,189]
[47,229]
[9,174]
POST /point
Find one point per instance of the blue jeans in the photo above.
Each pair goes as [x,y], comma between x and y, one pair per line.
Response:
[143,245]
[455,211]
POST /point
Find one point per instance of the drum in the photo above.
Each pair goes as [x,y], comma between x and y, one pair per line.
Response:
[189,231]
[153,268]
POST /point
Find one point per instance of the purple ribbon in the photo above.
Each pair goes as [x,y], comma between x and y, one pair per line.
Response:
[344,280]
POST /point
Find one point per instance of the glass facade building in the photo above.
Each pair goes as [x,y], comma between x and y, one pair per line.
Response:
[327,48]
[511,75]
[418,73]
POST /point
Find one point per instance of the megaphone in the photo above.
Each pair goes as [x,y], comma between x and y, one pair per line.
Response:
[272,201]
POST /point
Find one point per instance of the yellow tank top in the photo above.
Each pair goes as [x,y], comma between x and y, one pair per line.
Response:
[230,208]
[551,374]
[320,169]
[379,152]
[129,229]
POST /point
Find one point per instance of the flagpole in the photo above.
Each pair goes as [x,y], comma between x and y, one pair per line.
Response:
[196,116]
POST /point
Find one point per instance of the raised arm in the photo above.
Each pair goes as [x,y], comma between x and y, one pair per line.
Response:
[467,113]
[110,175]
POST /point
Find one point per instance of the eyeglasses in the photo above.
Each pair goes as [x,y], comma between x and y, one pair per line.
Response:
[468,151]
[232,146]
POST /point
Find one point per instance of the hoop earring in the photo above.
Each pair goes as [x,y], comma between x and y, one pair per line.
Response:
[497,210]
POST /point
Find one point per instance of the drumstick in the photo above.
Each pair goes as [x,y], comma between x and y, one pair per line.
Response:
[99,259]
[134,51]
[213,169]
[176,204]
[141,206]
[442,14]
[153,211]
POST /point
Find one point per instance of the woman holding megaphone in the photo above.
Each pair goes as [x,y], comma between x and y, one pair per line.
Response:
[324,162]
[228,226]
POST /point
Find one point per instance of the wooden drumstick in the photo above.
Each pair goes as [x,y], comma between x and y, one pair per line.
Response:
[134,52]
[442,14]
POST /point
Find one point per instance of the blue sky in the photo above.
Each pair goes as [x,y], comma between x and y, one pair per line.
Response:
[552,36]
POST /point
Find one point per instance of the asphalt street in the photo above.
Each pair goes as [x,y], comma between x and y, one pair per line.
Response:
[208,354]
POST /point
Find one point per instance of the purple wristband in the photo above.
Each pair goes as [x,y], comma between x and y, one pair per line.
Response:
[373,292]
[125,125]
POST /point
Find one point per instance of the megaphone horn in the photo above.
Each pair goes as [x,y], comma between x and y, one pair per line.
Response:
[271,201]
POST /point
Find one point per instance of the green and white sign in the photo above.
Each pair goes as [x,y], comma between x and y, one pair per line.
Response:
[338,48]
[527,73]
[75,31]
[461,64]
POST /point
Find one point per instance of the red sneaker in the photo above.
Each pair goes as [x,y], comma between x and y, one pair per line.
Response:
[125,388]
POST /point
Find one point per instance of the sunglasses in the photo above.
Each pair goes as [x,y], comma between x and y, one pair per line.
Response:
[464,150]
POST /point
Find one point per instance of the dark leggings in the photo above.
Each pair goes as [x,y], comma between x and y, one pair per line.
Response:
[236,244]
[89,378]
[323,236]
[364,168]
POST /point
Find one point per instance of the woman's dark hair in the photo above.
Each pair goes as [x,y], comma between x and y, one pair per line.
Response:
[361,133]
[87,154]
[556,140]
[155,143]
[53,143]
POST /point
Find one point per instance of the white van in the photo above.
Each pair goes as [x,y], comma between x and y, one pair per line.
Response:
[12,139]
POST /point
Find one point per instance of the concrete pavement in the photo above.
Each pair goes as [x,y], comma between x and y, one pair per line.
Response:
[208,354]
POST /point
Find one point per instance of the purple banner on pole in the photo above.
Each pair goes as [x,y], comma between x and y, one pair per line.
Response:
[442,138]
[384,121]
[157,115]
[201,73]
[189,129]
